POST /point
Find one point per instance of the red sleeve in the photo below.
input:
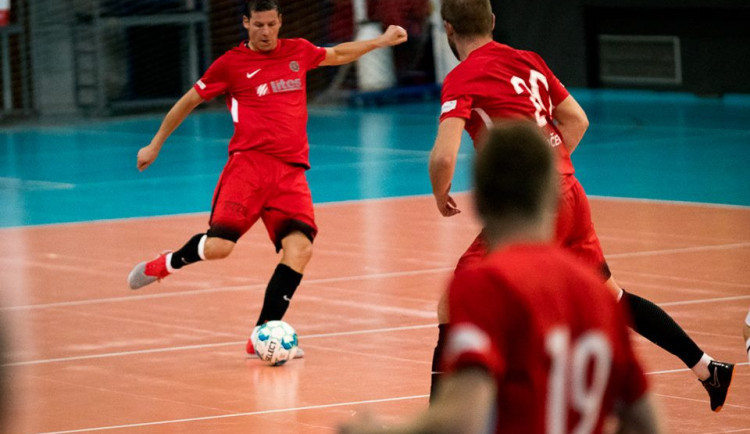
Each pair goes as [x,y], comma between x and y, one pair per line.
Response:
[215,81]
[479,318]
[557,92]
[456,101]
[312,54]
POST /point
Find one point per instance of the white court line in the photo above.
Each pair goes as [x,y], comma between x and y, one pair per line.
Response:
[214,345]
[672,371]
[680,250]
[250,413]
[293,409]
[222,289]
[682,398]
[669,202]
[33,185]
[707,300]
[382,199]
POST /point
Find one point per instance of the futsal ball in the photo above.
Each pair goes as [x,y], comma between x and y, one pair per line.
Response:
[275,343]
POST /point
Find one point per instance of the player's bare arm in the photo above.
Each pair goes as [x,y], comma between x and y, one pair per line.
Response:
[571,121]
[640,417]
[179,111]
[464,404]
[350,51]
[443,164]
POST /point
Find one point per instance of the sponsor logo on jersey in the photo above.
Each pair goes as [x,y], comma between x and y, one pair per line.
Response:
[554,140]
[448,106]
[294,66]
[279,86]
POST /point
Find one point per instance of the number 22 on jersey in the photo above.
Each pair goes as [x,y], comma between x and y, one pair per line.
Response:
[531,88]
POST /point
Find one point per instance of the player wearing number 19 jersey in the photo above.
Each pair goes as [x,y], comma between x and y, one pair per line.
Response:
[494,82]
[536,344]
[552,338]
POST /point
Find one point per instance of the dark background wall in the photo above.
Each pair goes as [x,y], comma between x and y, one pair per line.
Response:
[714,37]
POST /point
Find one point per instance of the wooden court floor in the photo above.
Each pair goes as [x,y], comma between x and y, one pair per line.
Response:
[90,355]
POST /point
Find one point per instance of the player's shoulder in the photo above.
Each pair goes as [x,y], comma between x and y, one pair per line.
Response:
[295,43]
[464,72]
[531,56]
[232,54]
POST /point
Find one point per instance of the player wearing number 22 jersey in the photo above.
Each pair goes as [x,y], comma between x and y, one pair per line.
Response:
[498,82]
[472,91]
[552,337]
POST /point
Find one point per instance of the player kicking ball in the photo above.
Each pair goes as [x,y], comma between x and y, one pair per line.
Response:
[264,81]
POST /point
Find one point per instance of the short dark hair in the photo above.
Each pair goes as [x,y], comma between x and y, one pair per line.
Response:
[261,6]
[468,17]
[513,171]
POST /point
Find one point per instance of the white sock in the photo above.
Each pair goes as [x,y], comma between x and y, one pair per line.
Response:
[701,368]
[202,247]
[169,263]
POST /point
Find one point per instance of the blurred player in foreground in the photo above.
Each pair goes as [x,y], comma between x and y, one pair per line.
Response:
[746,334]
[264,80]
[536,344]
[494,81]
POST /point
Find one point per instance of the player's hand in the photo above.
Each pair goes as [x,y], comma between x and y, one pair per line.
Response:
[363,423]
[394,35]
[446,205]
[146,156]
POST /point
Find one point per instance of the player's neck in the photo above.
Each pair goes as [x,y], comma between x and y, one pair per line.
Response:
[504,232]
[466,46]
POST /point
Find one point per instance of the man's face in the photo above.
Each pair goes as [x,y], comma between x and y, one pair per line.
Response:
[263,29]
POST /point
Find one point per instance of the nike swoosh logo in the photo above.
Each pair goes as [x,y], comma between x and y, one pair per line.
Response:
[250,74]
[287,298]
[715,379]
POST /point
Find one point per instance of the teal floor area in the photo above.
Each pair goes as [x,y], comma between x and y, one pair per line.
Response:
[641,144]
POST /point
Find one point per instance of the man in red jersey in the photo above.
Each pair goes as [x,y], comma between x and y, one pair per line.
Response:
[496,81]
[536,343]
[264,82]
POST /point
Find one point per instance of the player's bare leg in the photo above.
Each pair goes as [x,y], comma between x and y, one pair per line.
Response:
[200,247]
[653,323]
[217,248]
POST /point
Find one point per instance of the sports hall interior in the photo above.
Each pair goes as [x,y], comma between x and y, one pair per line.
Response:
[86,83]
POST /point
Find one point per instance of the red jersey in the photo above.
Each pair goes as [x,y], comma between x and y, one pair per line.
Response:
[496,81]
[266,94]
[550,333]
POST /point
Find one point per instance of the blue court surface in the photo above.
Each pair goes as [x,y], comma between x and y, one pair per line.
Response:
[641,144]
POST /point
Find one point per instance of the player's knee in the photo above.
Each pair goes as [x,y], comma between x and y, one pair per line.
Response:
[217,248]
[297,249]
